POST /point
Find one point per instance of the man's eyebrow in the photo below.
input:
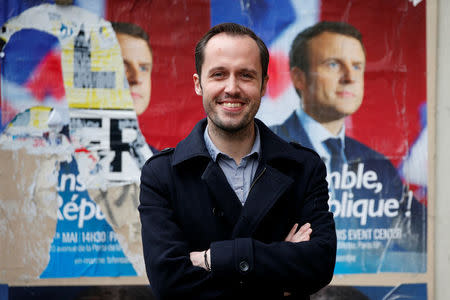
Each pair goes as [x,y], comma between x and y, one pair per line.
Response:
[334,58]
[245,70]
[216,69]
[331,58]
[126,61]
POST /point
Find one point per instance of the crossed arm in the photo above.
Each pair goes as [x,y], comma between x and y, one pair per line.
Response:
[294,236]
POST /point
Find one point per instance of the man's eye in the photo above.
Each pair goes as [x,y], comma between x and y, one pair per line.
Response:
[247,75]
[357,67]
[332,64]
[144,68]
[217,74]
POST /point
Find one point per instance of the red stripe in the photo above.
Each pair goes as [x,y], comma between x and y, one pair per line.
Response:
[47,78]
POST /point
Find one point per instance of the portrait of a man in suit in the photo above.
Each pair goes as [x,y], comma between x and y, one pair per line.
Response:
[377,218]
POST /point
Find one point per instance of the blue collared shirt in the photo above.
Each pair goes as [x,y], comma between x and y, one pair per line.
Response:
[317,134]
[240,176]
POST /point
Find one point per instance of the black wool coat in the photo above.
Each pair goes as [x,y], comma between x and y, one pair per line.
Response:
[186,204]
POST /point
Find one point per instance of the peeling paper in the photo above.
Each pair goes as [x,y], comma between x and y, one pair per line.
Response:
[119,204]
[102,125]
[28,208]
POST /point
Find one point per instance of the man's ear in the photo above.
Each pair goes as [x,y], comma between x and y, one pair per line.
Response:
[197,84]
[298,78]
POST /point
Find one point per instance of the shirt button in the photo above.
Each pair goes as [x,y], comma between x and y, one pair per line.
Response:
[243,266]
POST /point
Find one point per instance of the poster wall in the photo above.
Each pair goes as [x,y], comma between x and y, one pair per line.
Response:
[74,139]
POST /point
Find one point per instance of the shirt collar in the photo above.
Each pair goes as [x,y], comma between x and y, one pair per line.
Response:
[272,146]
[316,132]
[214,151]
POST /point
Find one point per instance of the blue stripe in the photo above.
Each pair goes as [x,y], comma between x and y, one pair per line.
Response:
[266,18]
[24,51]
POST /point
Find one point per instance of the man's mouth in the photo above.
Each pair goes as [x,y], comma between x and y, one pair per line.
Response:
[135,95]
[346,94]
[232,104]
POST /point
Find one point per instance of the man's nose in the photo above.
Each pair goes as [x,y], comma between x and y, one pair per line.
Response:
[348,74]
[133,75]
[232,85]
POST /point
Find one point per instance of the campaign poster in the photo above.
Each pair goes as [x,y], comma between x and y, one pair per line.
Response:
[71,138]
[74,141]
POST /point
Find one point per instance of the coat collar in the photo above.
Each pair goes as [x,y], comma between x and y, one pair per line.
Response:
[269,185]
[272,147]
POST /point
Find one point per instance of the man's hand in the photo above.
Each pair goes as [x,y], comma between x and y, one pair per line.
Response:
[198,258]
[302,235]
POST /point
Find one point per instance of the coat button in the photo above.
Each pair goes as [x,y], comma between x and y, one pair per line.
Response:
[217,212]
[243,266]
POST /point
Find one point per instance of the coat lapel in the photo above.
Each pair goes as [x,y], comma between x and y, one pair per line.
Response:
[297,132]
[228,204]
[268,188]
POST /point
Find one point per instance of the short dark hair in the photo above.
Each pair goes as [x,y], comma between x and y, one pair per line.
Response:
[232,29]
[298,55]
[132,30]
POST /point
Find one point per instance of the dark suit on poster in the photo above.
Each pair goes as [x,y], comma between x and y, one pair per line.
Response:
[187,204]
[410,216]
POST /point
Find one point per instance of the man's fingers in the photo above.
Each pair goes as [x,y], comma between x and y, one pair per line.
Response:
[291,233]
[302,235]
[304,228]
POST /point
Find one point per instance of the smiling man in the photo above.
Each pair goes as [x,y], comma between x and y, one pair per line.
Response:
[235,212]
[327,64]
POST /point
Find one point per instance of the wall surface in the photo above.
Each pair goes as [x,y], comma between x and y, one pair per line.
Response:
[80,197]
[442,220]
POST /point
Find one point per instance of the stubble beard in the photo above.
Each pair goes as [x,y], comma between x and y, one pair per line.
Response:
[229,129]
[219,126]
[232,129]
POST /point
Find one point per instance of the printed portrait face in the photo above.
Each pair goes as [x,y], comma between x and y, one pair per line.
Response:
[333,86]
[138,62]
[231,82]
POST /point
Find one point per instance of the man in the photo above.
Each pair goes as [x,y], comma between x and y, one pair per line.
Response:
[220,212]
[327,63]
[138,61]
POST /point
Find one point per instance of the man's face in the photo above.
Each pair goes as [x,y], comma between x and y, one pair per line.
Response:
[231,82]
[333,87]
[138,62]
